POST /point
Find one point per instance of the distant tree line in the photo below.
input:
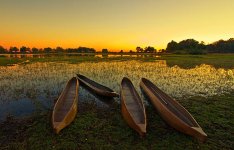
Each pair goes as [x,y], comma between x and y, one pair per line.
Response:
[148,49]
[192,46]
[221,46]
[24,50]
[188,46]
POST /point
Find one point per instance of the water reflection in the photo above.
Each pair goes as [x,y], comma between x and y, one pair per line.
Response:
[28,106]
[20,108]
[128,55]
[24,56]
[100,55]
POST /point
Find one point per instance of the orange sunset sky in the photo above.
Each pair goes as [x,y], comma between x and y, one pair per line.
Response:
[113,24]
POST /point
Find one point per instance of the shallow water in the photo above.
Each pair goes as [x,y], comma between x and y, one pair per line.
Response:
[32,88]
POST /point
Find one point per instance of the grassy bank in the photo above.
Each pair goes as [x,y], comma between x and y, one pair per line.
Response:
[4,61]
[188,61]
[184,61]
[104,128]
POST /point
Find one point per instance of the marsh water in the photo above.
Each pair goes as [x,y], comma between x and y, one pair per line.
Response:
[34,86]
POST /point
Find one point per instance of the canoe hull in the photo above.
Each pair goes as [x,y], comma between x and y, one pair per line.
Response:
[71,114]
[68,120]
[97,90]
[140,128]
[171,119]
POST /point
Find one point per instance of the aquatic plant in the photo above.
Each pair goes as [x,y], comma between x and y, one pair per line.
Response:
[48,79]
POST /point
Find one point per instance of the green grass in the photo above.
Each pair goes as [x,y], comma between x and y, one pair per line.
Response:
[4,61]
[188,61]
[104,128]
[184,61]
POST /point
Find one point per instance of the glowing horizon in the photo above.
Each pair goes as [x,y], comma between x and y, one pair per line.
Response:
[115,25]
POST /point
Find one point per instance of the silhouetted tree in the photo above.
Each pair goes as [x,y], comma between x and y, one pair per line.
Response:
[47,50]
[150,49]
[92,50]
[104,50]
[70,50]
[172,46]
[58,50]
[221,46]
[85,50]
[2,50]
[186,46]
[202,45]
[13,50]
[139,49]
[35,50]
[24,49]
[163,50]
[41,50]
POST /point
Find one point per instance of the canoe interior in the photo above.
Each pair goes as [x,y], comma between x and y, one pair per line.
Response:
[132,101]
[66,101]
[171,104]
[93,83]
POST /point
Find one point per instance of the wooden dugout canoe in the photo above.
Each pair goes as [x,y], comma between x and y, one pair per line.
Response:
[132,107]
[65,108]
[172,112]
[96,87]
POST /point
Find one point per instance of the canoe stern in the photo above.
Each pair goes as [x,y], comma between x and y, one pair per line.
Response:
[140,128]
[199,134]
